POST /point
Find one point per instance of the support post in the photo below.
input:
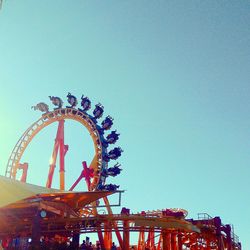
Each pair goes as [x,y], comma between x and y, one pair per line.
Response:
[36,232]
[100,237]
[62,153]
[75,240]
[151,239]
[125,235]
[24,167]
[179,241]
[58,146]
[141,240]
[174,241]
[160,242]
[166,240]
[107,235]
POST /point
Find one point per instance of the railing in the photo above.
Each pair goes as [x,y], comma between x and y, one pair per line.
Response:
[204,216]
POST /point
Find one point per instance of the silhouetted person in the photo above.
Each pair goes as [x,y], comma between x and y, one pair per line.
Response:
[113,246]
[83,245]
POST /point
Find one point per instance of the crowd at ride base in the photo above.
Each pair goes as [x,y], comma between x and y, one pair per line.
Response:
[55,244]
[87,245]
[65,245]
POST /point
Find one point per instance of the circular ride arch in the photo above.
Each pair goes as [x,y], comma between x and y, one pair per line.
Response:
[166,229]
[96,173]
[59,116]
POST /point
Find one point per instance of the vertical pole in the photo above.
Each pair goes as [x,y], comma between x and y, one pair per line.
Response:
[62,153]
[24,167]
[58,146]
[107,235]
[174,241]
[169,243]
[75,240]
[141,240]
[53,159]
[36,232]
[164,240]
[125,235]
[152,235]
[179,241]
[100,237]
[160,242]
[151,239]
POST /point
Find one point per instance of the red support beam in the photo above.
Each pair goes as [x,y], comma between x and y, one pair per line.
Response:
[58,146]
[62,154]
[125,235]
[23,167]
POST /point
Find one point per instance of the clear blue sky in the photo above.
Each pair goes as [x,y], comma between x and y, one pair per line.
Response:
[173,74]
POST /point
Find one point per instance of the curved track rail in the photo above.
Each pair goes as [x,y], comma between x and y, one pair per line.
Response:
[97,163]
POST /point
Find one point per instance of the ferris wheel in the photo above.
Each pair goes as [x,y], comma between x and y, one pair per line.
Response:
[98,170]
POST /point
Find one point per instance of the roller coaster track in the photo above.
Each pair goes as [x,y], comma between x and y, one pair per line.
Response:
[47,119]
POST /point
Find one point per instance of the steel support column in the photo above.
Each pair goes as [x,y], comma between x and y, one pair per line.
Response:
[125,235]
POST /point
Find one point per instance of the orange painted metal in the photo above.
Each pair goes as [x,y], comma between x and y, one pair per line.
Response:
[62,154]
[162,230]
[47,119]
[126,231]
[24,167]
[114,223]
[168,238]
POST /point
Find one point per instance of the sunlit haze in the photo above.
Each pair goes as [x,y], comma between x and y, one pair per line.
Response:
[175,77]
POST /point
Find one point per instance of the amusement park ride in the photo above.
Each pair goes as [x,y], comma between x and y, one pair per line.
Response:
[65,215]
